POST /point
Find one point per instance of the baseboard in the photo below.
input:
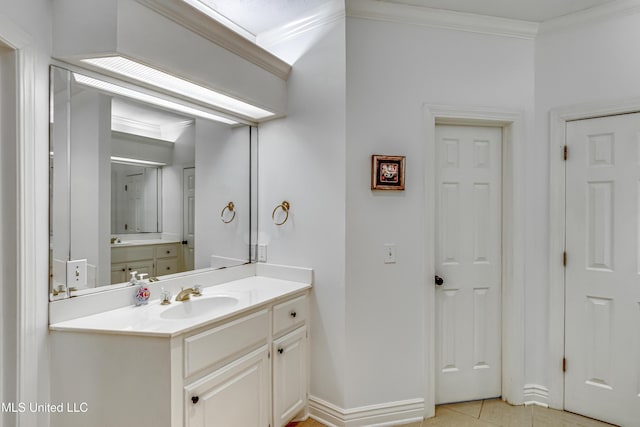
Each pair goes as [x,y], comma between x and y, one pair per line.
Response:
[385,414]
[535,394]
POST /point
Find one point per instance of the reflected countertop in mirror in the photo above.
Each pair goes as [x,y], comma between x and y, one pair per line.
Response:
[140,187]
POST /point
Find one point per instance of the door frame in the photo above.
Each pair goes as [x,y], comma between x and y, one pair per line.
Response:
[30,305]
[558,119]
[513,244]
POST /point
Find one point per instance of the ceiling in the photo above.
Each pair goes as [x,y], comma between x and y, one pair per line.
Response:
[258,16]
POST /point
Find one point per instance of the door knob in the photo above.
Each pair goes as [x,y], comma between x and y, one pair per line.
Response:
[439,281]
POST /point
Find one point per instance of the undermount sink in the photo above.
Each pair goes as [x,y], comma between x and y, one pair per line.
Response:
[198,306]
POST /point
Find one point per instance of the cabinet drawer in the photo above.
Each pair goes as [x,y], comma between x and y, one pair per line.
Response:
[131,254]
[211,347]
[167,251]
[166,266]
[289,314]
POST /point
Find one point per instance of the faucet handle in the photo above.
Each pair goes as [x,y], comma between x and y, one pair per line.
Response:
[197,290]
[165,297]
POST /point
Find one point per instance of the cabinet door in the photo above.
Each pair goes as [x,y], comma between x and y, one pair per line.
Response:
[235,395]
[119,273]
[143,266]
[166,266]
[289,376]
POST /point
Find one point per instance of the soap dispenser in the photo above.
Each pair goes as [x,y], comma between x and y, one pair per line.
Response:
[142,292]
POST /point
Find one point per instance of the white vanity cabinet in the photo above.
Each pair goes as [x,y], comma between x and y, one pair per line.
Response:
[289,376]
[248,370]
[235,395]
[152,259]
[226,370]
[290,359]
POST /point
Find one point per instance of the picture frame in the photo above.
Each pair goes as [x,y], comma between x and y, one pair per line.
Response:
[387,172]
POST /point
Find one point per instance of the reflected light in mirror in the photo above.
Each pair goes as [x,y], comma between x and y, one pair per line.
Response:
[149,99]
[128,161]
[162,80]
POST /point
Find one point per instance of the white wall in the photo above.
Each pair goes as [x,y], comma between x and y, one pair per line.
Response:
[184,152]
[222,175]
[591,63]
[90,188]
[392,70]
[31,17]
[302,160]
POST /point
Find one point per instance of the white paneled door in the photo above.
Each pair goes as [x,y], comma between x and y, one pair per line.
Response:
[468,260]
[602,329]
[188,218]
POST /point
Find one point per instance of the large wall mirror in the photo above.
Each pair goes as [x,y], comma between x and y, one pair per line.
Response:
[141,187]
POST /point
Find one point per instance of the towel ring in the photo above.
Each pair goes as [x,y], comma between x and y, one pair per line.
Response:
[231,208]
[285,206]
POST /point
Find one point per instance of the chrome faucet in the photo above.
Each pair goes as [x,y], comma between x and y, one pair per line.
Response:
[185,294]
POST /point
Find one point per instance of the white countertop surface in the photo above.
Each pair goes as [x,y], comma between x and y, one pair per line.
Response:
[150,319]
[140,242]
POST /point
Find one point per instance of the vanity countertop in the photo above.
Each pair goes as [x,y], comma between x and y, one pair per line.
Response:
[154,319]
[140,242]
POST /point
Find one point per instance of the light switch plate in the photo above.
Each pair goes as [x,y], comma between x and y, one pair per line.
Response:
[262,253]
[77,273]
[390,253]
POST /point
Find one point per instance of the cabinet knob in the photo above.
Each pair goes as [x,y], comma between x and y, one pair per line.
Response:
[168,268]
[195,399]
[168,252]
[293,314]
[280,350]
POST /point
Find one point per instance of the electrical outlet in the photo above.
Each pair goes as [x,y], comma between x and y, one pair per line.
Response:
[77,273]
[262,253]
[390,253]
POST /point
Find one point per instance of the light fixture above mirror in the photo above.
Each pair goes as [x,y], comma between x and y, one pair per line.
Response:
[161,80]
[141,96]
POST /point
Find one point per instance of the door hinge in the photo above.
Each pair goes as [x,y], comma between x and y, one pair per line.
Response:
[564,259]
[565,152]
[126,188]
[564,364]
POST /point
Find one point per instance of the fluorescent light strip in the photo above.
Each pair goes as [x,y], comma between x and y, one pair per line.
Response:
[128,161]
[135,70]
[150,99]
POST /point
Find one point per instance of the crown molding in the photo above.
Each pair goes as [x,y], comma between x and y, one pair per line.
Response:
[438,18]
[138,127]
[201,24]
[595,14]
[323,15]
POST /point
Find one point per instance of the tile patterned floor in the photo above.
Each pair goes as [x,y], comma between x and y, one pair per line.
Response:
[493,413]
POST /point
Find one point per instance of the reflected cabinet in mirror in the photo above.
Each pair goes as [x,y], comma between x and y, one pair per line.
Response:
[137,187]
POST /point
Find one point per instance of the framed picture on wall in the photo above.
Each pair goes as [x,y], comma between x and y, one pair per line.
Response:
[387,172]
